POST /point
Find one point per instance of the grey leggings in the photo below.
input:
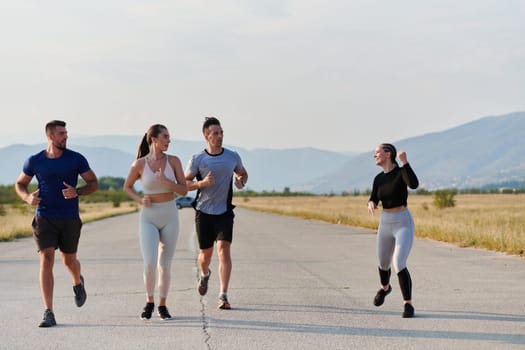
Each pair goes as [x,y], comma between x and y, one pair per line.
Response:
[394,239]
[158,233]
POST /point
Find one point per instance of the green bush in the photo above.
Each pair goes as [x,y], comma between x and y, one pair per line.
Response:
[444,198]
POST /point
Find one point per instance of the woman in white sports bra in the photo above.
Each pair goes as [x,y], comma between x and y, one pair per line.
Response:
[162,177]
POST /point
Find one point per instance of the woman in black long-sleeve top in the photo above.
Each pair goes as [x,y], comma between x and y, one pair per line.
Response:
[396,227]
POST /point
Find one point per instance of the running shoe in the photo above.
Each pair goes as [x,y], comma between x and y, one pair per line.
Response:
[223,302]
[379,299]
[409,311]
[203,284]
[48,320]
[164,313]
[148,310]
[80,293]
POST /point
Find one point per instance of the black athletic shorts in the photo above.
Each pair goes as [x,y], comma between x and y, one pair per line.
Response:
[57,233]
[211,228]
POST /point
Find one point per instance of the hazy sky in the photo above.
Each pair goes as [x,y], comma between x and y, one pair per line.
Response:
[336,75]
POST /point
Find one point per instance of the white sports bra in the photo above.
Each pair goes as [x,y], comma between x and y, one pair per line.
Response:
[150,184]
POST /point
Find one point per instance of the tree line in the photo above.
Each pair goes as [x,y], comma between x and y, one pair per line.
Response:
[110,190]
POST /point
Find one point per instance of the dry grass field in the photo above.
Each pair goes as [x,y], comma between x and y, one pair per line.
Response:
[16,221]
[490,221]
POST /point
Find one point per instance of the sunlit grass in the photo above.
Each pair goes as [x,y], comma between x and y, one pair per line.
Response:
[16,220]
[490,221]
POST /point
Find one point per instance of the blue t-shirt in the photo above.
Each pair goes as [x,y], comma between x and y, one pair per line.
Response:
[51,173]
[215,199]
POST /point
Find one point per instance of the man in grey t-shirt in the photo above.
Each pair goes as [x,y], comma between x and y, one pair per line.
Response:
[215,170]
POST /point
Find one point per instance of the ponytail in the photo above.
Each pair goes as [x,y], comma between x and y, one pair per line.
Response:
[143,147]
[153,131]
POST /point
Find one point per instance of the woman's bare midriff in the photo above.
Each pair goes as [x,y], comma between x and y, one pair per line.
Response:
[396,209]
[161,197]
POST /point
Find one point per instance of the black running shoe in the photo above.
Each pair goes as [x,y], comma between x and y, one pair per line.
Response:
[409,311]
[148,310]
[379,299]
[223,303]
[49,319]
[203,284]
[80,293]
[164,313]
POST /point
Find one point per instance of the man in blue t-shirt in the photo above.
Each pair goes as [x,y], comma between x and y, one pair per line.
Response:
[57,221]
[215,169]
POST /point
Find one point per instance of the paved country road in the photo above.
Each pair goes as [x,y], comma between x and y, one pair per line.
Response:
[296,284]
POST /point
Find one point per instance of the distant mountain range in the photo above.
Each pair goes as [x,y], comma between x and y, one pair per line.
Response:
[112,156]
[490,150]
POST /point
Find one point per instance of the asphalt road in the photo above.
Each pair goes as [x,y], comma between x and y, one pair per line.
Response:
[296,284]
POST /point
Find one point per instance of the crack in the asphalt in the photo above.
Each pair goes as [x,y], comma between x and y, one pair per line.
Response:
[204,321]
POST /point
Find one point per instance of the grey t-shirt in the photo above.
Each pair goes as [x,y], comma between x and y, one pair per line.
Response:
[215,199]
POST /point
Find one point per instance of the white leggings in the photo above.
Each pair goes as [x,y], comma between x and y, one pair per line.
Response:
[158,233]
[395,236]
